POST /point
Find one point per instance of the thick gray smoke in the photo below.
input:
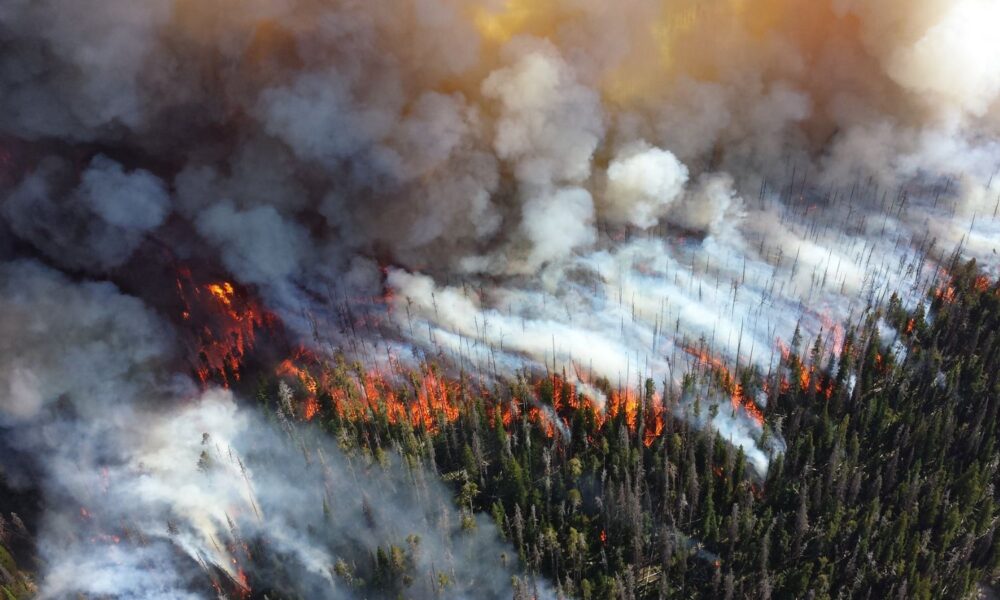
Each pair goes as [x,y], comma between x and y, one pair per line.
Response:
[592,187]
[154,490]
[95,224]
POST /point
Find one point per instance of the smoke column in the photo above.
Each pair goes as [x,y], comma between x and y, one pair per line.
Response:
[601,189]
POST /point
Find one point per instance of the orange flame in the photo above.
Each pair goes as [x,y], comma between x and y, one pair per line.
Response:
[730,385]
[434,400]
[654,422]
[835,329]
[624,402]
[223,292]
[225,321]
[241,579]
[228,321]
[807,376]
[804,377]
[361,396]
[311,408]
[786,352]
[946,295]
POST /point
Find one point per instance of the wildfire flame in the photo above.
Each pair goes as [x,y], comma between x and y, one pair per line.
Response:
[737,397]
[363,395]
[224,292]
[432,400]
[805,375]
[224,321]
[945,294]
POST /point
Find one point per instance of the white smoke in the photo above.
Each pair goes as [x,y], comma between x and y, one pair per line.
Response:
[949,61]
[642,184]
[148,496]
[557,223]
[549,124]
[208,484]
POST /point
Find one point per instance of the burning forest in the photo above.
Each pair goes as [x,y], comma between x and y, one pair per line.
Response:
[499,299]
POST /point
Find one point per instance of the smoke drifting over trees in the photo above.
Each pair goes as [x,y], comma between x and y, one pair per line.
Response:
[596,189]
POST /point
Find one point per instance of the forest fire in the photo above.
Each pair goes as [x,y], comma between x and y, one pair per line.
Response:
[223,292]
[357,394]
[655,424]
[244,583]
[945,294]
[729,383]
[804,374]
[226,320]
[322,280]
[224,323]
[835,332]
[943,289]
[431,400]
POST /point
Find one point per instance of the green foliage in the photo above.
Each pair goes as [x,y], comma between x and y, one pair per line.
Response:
[883,491]
[14,583]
